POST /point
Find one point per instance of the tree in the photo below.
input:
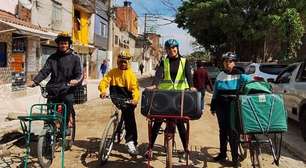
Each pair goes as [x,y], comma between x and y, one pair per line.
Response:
[221,25]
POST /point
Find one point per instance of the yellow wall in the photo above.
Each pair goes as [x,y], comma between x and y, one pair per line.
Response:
[82,36]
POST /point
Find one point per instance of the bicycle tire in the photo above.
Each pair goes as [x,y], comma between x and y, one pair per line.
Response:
[46,147]
[169,147]
[255,153]
[242,151]
[277,146]
[107,140]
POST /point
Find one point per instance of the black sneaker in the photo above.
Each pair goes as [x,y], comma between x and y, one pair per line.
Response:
[219,158]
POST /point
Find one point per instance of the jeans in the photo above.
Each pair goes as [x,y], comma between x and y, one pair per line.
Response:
[68,100]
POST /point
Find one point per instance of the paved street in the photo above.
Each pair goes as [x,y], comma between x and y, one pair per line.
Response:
[93,116]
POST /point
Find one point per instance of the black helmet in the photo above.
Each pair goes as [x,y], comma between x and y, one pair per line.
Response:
[63,36]
[230,56]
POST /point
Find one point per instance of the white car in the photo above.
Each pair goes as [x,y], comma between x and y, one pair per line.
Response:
[264,71]
[292,84]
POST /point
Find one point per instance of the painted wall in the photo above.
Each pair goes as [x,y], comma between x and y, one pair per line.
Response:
[47,14]
[9,6]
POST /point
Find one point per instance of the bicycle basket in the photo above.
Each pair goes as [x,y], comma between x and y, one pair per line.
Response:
[261,113]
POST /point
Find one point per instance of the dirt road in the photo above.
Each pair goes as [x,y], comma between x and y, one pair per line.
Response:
[92,117]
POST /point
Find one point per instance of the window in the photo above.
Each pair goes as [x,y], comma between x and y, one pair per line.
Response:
[251,69]
[56,14]
[103,30]
[3,55]
[302,77]
[273,69]
[286,75]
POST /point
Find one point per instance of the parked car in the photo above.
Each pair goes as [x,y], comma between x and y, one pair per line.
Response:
[264,71]
[243,65]
[292,83]
[213,73]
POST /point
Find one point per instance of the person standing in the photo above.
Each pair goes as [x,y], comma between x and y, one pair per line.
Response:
[227,83]
[103,67]
[173,73]
[201,80]
[141,66]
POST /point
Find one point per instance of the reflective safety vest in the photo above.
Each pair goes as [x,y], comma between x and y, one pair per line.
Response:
[180,82]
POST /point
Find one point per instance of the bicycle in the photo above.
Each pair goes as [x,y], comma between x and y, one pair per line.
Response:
[114,130]
[253,139]
[169,134]
[53,133]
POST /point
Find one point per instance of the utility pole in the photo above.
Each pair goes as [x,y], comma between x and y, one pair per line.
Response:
[144,37]
[110,33]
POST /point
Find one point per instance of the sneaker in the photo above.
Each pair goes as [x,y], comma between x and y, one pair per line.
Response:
[132,150]
[220,158]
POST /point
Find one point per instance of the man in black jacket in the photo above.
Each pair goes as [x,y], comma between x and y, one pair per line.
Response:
[66,73]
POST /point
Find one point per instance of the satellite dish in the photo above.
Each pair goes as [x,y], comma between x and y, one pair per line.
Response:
[26,3]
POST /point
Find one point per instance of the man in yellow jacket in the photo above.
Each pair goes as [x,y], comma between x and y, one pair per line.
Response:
[122,83]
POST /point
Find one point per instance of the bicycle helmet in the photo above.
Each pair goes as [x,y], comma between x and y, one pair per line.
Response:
[230,56]
[171,43]
[63,36]
[125,54]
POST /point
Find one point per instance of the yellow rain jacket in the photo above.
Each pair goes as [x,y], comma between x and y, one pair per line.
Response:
[122,83]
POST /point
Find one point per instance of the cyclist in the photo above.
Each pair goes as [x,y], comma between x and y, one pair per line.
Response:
[66,73]
[173,73]
[122,83]
[227,83]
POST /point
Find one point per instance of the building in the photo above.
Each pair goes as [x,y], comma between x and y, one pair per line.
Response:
[20,40]
[81,30]
[125,32]
[99,36]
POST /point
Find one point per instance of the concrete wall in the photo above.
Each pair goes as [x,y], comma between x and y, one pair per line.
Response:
[9,6]
[42,13]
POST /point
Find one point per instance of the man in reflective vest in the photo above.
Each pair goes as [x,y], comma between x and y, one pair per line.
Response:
[173,73]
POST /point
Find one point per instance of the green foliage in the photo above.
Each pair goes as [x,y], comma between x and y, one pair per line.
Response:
[199,55]
[218,24]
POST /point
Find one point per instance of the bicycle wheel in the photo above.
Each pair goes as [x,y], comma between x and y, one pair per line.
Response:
[169,147]
[242,151]
[276,147]
[107,140]
[46,146]
[255,153]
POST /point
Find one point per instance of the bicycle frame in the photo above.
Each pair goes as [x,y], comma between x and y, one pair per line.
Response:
[169,132]
[48,117]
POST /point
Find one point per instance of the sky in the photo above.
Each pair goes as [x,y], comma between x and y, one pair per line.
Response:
[163,27]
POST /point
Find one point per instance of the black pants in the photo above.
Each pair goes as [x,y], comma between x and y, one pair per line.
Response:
[128,115]
[180,126]
[68,101]
[226,134]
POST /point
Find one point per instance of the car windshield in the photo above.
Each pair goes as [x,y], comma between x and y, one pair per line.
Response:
[273,69]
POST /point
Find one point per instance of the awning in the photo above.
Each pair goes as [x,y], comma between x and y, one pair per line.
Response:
[31,31]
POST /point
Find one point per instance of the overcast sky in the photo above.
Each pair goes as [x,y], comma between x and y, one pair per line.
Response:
[165,29]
